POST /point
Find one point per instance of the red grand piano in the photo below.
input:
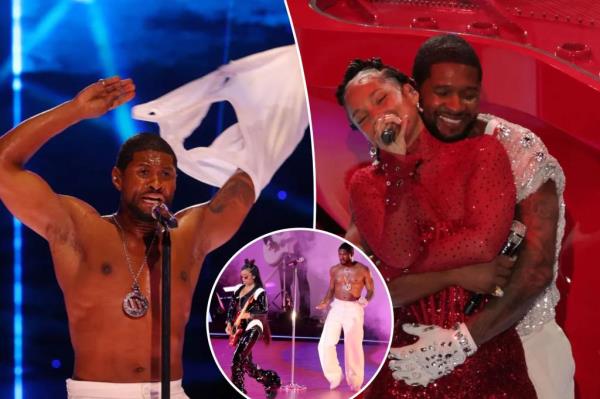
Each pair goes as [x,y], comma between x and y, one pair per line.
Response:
[541,63]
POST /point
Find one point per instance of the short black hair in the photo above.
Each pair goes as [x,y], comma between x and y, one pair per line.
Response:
[443,48]
[142,142]
[358,65]
[346,247]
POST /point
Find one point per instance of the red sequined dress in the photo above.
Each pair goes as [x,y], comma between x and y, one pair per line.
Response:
[444,205]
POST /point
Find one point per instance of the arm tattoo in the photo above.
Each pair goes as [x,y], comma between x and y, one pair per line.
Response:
[237,188]
[544,209]
[543,204]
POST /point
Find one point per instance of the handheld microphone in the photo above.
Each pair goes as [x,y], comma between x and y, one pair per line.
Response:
[388,134]
[517,233]
[162,214]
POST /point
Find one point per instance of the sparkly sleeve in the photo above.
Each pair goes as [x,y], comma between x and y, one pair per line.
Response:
[366,211]
[385,214]
[531,163]
[489,211]
[532,166]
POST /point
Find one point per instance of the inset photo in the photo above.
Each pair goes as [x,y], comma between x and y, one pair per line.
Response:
[299,313]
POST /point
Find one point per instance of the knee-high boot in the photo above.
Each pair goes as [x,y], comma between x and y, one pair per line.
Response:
[268,378]
[242,356]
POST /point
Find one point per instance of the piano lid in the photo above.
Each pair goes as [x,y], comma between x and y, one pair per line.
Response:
[566,30]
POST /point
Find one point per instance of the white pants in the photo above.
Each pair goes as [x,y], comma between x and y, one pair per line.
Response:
[550,363]
[110,390]
[348,316]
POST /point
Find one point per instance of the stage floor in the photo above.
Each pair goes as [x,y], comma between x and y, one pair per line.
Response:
[278,355]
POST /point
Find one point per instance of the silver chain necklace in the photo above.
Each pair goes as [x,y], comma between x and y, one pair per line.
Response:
[347,283]
[135,304]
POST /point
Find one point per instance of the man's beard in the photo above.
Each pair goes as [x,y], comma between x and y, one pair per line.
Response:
[432,128]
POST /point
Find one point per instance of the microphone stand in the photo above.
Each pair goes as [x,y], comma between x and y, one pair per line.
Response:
[292,386]
[165,374]
[167,220]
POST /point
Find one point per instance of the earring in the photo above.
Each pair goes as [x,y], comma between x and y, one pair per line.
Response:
[419,108]
[374,154]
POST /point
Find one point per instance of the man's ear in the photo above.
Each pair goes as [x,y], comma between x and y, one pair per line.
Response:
[116,177]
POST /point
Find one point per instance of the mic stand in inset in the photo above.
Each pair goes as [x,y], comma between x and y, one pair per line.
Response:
[292,386]
[165,341]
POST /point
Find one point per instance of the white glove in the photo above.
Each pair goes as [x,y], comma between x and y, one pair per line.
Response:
[437,352]
[267,93]
[362,301]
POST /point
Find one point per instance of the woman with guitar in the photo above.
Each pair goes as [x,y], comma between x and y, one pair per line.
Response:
[246,322]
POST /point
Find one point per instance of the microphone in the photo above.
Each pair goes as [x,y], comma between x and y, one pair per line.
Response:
[388,134]
[517,233]
[162,214]
[295,262]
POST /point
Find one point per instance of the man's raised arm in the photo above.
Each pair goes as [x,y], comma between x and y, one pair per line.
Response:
[228,209]
[27,195]
[212,224]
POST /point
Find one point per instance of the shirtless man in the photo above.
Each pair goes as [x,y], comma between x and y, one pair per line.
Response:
[347,280]
[100,261]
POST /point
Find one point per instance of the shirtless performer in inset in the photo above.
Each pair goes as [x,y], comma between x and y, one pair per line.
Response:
[347,280]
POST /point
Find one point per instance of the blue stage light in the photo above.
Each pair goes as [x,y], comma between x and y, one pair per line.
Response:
[56,363]
[51,19]
[125,125]
[17,68]
[282,195]
[17,304]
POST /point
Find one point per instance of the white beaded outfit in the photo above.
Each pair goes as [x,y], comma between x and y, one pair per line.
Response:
[550,370]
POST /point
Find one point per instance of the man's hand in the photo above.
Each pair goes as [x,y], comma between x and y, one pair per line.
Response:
[322,305]
[483,278]
[228,329]
[437,352]
[103,96]
[362,301]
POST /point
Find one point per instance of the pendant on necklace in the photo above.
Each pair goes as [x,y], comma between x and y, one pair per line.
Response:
[135,303]
[347,286]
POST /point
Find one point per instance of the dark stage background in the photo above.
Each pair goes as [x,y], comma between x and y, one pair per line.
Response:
[68,44]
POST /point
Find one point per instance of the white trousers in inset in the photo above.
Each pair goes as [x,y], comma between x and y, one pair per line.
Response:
[349,316]
[110,390]
[550,363]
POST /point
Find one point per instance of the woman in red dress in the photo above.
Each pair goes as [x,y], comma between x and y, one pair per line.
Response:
[425,209]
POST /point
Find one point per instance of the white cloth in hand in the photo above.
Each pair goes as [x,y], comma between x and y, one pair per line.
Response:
[363,301]
[267,93]
[437,352]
